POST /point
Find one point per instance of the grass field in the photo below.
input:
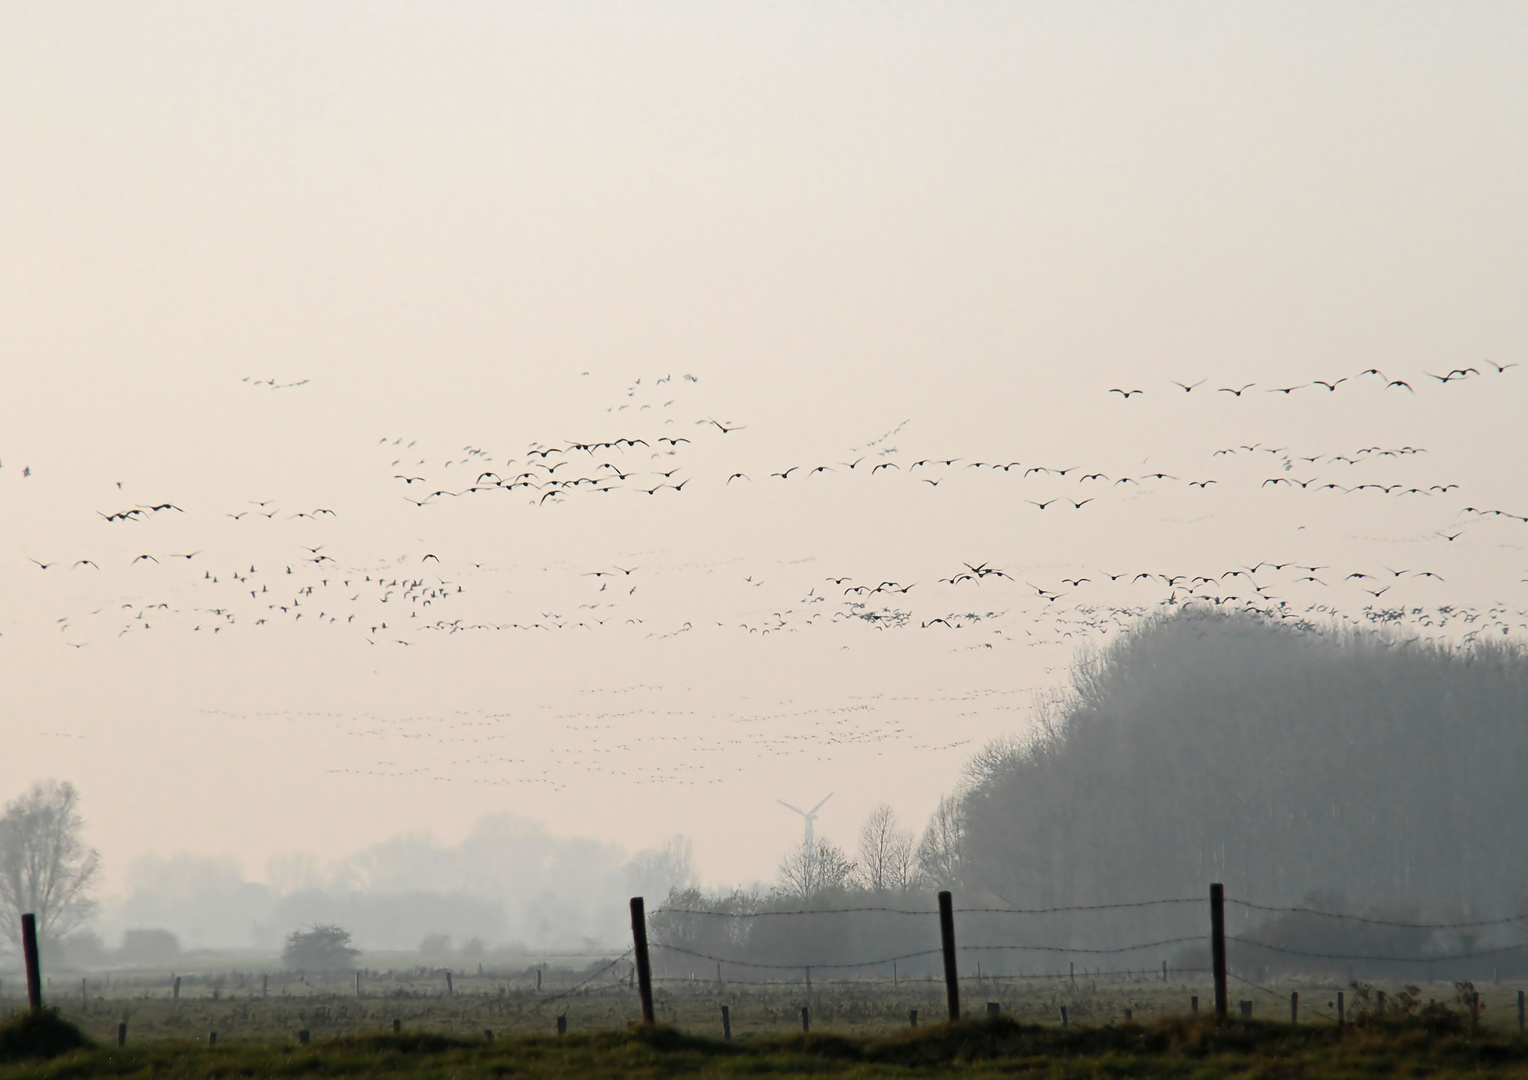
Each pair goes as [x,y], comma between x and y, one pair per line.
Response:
[859,1028]
[243,1008]
[988,1047]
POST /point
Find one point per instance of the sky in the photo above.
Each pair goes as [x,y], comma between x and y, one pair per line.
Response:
[341,289]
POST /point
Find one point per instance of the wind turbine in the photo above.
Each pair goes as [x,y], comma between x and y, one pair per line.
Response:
[808,816]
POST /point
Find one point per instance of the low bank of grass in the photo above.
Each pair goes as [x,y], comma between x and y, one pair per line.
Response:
[989,1047]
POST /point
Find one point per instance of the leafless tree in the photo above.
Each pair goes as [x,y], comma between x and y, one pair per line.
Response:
[942,851]
[812,868]
[45,867]
[886,861]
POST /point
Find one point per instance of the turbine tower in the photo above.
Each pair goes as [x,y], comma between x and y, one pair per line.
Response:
[807,816]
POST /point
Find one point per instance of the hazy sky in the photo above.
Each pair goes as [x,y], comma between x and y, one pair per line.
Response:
[282,258]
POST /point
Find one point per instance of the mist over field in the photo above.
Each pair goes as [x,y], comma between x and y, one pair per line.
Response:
[462,468]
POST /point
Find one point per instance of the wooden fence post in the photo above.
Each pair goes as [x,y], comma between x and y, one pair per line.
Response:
[1520,1011]
[1294,1007]
[806,1019]
[1342,1015]
[122,1034]
[1218,948]
[726,1024]
[947,944]
[34,970]
[644,966]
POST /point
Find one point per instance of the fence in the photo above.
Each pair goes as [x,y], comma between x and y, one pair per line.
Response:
[1424,937]
[1292,934]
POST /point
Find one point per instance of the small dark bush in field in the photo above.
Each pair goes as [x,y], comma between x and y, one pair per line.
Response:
[42,1034]
[1406,1008]
[323,948]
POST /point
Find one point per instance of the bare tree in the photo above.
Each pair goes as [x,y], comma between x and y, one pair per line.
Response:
[45,867]
[886,862]
[815,867]
[942,851]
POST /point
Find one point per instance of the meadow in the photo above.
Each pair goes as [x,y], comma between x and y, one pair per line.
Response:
[989,1046]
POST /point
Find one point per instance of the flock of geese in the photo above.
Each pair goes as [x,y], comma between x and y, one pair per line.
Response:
[400,599]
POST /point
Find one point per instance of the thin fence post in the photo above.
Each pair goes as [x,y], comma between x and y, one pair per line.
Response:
[1164,970]
[726,1024]
[122,1034]
[912,1017]
[947,943]
[1193,1005]
[1063,1018]
[34,970]
[806,1019]
[1294,1006]
[1218,947]
[644,967]
[1520,1011]
[1342,1013]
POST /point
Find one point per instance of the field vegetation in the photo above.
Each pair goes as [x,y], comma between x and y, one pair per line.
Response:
[1440,1044]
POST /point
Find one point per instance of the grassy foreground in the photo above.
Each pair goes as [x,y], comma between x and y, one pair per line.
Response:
[987,1047]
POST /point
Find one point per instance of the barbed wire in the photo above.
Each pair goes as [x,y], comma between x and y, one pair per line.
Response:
[1375,922]
[796,967]
[574,989]
[1075,949]
[911,911]
[1083,907]
[1387,959]
[1275,994]
[803,911]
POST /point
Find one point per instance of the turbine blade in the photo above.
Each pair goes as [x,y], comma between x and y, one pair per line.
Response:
[788,806]
[818,807]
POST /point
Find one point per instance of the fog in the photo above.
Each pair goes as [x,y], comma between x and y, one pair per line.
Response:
[509,884]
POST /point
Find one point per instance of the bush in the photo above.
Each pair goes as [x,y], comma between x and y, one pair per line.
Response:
[42,1034]
[148,947]
[323,948]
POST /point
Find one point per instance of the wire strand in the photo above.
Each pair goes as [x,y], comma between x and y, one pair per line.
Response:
[1370,956]
[1375,922]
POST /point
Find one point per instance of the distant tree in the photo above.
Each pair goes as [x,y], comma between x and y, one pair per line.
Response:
[323,948]
[148,947]
[45,868]
[942,851]
[435,945]
[887,857]
[812,868]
